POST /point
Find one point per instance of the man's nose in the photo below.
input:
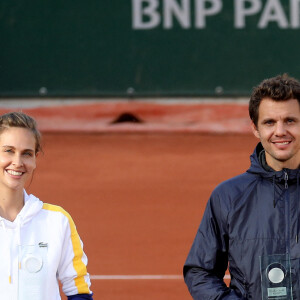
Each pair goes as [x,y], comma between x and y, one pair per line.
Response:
[280,129]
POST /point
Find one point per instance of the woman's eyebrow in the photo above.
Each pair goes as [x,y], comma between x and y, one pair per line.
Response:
[8,146]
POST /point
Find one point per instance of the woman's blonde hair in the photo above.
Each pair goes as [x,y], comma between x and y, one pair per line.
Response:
[19,119]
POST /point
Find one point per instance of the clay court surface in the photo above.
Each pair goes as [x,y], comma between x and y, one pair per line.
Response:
[137,200]
[136,191]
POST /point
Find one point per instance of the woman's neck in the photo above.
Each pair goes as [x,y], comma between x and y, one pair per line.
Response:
[11,203]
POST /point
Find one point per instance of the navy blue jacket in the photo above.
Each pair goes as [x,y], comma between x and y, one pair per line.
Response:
[253,214]
[81,297]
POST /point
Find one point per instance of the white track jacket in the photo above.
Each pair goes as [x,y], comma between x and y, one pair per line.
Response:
[39,248]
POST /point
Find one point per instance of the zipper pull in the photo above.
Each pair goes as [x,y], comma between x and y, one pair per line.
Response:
[286,177]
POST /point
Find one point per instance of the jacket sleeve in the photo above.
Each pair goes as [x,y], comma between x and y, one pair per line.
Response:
[207,260]
[81,297]
[72,271]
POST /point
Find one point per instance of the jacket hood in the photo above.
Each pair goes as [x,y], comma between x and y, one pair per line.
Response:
[32,206]
[279,176]
[285,177]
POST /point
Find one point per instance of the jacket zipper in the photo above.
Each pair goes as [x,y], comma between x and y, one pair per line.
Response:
[286,177]
[287,207]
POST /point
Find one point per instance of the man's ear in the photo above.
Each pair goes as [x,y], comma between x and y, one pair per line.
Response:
[255,130]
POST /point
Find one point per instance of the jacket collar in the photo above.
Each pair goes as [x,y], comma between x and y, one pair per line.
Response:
[259,166]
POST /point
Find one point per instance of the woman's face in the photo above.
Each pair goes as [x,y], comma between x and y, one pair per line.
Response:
[17,157]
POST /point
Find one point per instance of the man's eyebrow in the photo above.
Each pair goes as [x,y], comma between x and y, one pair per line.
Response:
[291,117]
[267,119]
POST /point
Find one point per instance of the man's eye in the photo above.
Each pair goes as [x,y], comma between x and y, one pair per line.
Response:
[269,122]
[7,150]
[289,121]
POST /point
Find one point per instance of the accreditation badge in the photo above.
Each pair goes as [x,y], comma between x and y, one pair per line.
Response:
[276,281]
[33,272]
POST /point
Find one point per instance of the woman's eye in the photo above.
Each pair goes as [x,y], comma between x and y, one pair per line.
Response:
[27,153]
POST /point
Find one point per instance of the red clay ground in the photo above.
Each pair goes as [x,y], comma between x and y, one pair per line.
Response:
[137,200]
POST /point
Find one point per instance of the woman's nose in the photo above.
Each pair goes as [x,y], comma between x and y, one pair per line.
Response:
[17,161]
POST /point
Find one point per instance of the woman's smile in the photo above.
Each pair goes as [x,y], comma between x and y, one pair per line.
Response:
[15,173]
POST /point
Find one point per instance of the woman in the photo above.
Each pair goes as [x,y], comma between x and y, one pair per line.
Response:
[39,244]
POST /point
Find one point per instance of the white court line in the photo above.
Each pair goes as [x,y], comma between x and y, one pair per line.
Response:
[135,277]
[140,277]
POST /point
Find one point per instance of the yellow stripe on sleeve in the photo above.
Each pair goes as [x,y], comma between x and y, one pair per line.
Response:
[78,264]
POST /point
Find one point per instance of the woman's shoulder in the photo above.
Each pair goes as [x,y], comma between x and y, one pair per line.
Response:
[57,210]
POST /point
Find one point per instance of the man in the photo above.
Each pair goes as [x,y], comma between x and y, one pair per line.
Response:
[251,222]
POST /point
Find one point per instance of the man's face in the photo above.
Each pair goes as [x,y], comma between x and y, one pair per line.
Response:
[278,129]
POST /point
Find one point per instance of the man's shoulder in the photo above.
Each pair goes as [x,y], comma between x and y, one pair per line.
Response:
[236,184]
[229,191]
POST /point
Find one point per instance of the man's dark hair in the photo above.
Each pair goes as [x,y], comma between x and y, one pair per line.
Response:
[279,88]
